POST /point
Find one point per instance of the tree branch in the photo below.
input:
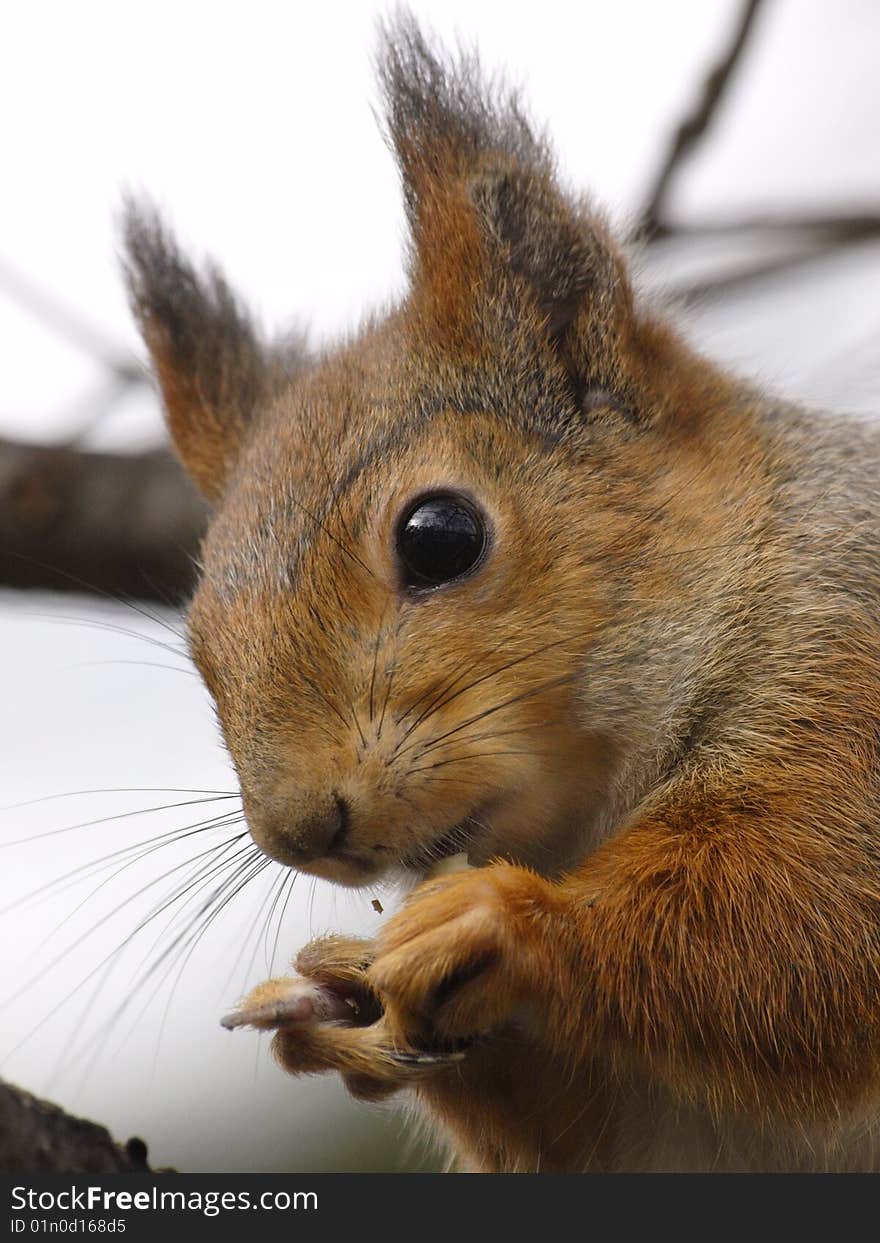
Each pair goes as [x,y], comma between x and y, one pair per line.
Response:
[696,125]
[793,242]
[37,1137]
[103,522]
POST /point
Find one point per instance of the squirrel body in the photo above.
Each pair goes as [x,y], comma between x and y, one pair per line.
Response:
[648,708]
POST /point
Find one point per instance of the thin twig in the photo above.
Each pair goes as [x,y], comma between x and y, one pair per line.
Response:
[695,126]
[67,323]
[798,241]
[853,226]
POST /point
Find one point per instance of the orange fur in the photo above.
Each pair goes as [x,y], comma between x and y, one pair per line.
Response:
[651,714]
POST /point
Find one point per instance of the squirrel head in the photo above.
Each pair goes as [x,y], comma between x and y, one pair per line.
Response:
[412,590]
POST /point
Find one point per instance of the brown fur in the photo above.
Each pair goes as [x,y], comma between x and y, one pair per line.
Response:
[652,714]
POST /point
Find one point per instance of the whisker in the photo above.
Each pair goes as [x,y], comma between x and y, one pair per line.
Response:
[506,703]
[277,912]
[281,880]
[312,890]
[376,657]
[124,815]
[91,623]
[72,945]
[248,871]
[436,705]
[157,964]
[337,504]
[253,934]
[457,781]
[474,755]
[357,725]
[77,1023]
[46,798]
[140,850]
[188,940]
[290,883]
[114,958]
[196,880]
[99,591]
[144,664]
[108,958]
[448,684]
[389,681]
[486,737]
[388,684]
[324,700]
[174,605]
[317,521]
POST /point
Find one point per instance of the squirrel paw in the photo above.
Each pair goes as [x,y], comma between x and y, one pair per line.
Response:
[450,965]
[328,1019]
[330,987]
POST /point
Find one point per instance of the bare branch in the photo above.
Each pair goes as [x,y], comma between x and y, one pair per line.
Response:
[67,323]
[39,1138]
[849,227]
[776,245]
[695,126]
[105,522]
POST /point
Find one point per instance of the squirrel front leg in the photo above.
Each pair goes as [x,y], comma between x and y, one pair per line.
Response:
[733,951]
[717,945]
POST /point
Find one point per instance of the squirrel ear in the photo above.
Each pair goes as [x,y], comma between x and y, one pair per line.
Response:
[484,203]
[566,256]
[211,369]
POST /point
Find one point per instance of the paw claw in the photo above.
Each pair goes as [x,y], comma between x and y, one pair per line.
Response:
[440,1058]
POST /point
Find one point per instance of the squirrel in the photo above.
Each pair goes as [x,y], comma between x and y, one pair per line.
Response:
[516,573]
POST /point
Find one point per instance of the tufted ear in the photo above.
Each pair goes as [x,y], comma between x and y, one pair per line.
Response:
[211,368]
[485,206]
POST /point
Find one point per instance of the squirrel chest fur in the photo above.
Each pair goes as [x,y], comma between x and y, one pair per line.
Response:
[516,573]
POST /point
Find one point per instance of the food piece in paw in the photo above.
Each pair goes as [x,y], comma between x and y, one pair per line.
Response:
[449,865]
[288,1002]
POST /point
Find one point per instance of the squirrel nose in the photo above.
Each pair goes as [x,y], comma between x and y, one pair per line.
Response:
[319,834]
[325,833]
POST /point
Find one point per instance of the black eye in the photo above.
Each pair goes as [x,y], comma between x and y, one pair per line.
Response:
[440,539]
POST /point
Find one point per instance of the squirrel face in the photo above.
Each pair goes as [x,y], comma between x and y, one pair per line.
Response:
[388,697]
[391,693]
